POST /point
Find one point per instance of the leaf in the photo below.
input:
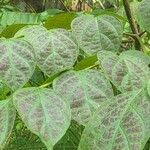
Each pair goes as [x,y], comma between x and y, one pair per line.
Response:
[144,14]
[55,49]
[148,87]
[16,62]
[7,118]
[123,123]
[4,90]
[49,12]
[9,18]
[86,62]
[97,33]
[128,72]
[44,112]
[10,31]
[85,90]
[62,20]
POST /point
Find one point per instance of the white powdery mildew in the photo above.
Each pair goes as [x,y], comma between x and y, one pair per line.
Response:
[44,112]
[144,14]
[17,62]
[85,90]
[55,49]
[7,118]
[127,72]
[97,33]
[119,125]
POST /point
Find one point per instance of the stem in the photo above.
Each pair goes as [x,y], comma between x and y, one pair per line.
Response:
[131,22]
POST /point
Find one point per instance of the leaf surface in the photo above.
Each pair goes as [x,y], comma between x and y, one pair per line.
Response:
[44,112]
[17,62]
[144,14]
[7,118]
[121,124]
[128,72]
[85,90]
[97,33]
[55,49]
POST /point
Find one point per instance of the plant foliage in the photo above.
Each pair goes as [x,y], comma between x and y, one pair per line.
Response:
[76,74]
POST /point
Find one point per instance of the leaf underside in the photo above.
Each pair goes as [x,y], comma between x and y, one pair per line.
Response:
[86,90]
[55,50]
[17,62]
[121,124]
[45,113]
[7,118]
[97,33]
[127,72]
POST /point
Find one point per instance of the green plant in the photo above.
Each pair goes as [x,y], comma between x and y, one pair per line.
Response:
[50,77]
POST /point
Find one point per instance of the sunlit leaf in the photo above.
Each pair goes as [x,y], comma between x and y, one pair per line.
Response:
[55,49]
[127,72]
[16,62]
[121,124]
[97,33]
[85,90]
[44,112]
[7,118]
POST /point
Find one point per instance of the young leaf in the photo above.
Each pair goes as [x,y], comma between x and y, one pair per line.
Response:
[85,90]
[121,124]
[127,72]
[7,118]
[16,62]
[97,33]
[44,112]
[144,14]
[55,49]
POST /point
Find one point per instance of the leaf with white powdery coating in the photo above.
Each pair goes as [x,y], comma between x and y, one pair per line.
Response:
[55,49]
[121,124]
[86,90]
[97,33]
[17,62]
[7,118]
[44,112]
[128,72]
[144,14]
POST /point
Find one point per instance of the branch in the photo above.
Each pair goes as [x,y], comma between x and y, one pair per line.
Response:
[132,22]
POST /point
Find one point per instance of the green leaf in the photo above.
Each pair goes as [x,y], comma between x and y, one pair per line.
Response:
[55,49]
[16,62]
[10,31]
[62,20]
[4,90]
[144,14]
[44,112]
[123,123]
[7,118]
[49,12]
[86,62]
[97,33]
[86,90]
[128,72]
[9,18]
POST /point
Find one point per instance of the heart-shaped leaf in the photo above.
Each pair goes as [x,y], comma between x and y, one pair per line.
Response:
[127,72]
[7,118]
[85,90]
[144,14]
[97,33]
[55,49]
[17,62]
[121,124]
[44,112]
